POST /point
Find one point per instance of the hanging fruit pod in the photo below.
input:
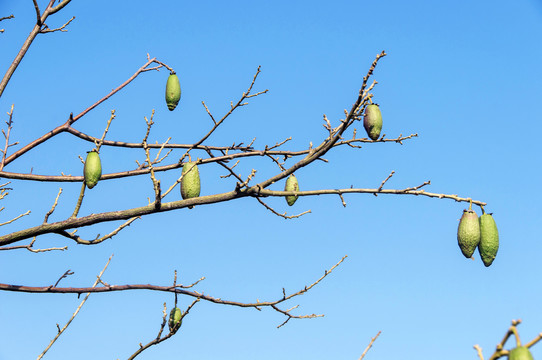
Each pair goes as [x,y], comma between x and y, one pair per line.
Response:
[173,91]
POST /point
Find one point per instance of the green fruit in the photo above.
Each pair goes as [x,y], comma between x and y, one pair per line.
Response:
[372,121]
[190,184]
[175,319]
[291,185]
[93,169]
[173,91]
[520,353]
[468,233]
[489,239]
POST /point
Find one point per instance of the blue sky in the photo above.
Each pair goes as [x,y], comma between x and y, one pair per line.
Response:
[463,75]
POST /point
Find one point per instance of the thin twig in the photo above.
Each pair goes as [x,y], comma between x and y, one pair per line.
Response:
[15,218]
[370,345]
[53,207]
[46,29]
[74,314]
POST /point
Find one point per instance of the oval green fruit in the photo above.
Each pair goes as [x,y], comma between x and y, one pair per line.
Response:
[489,239]
[520,353]
[93,169]
[372,121]
[291,185]
[175,319]
[468,233]
[173,91]
[190,182]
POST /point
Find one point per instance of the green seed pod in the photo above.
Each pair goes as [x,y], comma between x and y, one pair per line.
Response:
[173,91]
[93,169]
[489,239]
[468,233]
[372,121]
[291,185]
[520,353]
[175,319]
[190,183]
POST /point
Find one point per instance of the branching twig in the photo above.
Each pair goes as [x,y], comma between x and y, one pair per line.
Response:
[158,338]
[245,152]
[178,290]
[30,248]
[98,239]
[46,29]
[72,119]
[35,31]
[60,331]
[254,191]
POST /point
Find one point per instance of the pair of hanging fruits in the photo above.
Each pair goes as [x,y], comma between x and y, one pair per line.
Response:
[478,232]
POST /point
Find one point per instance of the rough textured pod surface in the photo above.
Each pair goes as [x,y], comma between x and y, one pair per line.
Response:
[468,233]
[291,185]
[372,121]
[92,171]
[489,239]
[190,183]
[175,318]
[173,91]
[520,353]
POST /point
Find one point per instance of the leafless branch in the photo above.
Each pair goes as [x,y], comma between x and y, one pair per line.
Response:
[6,137]
[98,239]
[72,119]
[158,338]
[30,247]
[181,291]
[246,152]
[254,191]
[5,18]
[53,207]
[385,180]
[46,29]
[74,314]
[369,346]
[15,218]
[279,214]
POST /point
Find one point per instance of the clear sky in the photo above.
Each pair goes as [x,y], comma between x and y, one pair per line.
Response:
[464,75]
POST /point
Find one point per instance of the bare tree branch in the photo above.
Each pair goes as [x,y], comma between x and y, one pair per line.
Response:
[180,290]
[74,314]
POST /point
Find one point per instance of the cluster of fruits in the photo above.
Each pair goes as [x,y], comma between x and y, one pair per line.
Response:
[478,232]
[372,122]
[190,181]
